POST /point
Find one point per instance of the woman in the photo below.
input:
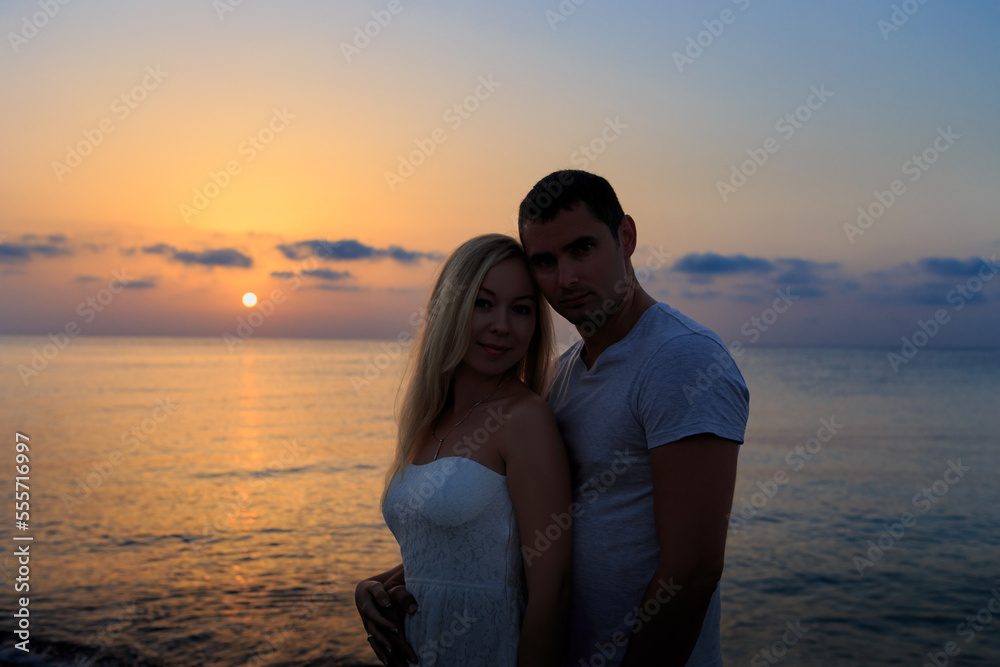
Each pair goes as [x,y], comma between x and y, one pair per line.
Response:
[479,472]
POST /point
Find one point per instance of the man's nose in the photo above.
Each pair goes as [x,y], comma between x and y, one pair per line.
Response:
[567,275]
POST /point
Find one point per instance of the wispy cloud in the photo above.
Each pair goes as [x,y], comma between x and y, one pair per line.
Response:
[322,274]
[931,281]
[702,268]
[219,257]
[145,283]
[795,271]
[326,274]
[948,267]
[350,249]
[699,296]
[924,282]
[810,279]
[30,245]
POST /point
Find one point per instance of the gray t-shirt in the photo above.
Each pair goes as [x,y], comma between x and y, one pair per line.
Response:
[669,378]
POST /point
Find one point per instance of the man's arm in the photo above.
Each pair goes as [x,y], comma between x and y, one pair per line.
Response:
[693,482]
[381,601]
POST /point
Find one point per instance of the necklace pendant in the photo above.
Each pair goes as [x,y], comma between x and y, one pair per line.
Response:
[459,422]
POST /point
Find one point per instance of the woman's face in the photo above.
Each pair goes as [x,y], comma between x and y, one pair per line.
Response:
[503,318]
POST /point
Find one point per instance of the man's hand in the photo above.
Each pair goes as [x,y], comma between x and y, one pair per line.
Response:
[383,613]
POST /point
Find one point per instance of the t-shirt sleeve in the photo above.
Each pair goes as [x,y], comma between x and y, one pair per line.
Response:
[691,385]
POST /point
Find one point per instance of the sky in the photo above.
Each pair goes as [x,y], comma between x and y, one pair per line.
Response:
[806,173]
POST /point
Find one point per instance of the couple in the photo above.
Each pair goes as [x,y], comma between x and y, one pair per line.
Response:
[586,528]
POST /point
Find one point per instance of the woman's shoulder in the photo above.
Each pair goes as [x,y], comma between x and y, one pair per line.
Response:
[526,419]
[524,405]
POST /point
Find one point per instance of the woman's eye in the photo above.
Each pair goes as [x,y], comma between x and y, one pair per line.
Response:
[482,303]
[522,310]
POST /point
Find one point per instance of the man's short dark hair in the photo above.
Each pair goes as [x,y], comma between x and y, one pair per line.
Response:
[562,190]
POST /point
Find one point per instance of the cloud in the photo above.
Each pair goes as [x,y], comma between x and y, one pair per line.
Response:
[948,267]
[713,263]
[131,284]
[811,279]
[401,255]
[327,274]
[158,249]
[220,257]
[951,278]
[794,271]
[322,274]
[709,294]
[51,250]
[701,268]
[11,252]
[345,250]
[349,249]
[924,282]
[33,244]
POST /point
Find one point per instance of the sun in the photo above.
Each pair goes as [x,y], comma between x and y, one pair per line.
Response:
[249,299]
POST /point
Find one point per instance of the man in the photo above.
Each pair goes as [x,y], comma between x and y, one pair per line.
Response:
[653,464]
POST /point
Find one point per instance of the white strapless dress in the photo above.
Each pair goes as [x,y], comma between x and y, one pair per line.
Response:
[458,535]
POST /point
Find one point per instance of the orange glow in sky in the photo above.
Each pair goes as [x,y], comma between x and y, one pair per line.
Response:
[281,148]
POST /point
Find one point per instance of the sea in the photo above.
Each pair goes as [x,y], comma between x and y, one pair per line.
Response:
[197,502]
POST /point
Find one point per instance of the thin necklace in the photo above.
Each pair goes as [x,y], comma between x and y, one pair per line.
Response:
[476,405]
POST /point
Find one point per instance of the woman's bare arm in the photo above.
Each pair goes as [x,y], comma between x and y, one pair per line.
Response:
[538,481]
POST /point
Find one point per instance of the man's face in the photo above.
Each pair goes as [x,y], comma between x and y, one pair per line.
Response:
[577,264]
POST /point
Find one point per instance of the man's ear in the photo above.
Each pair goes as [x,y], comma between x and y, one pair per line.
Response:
[627,235]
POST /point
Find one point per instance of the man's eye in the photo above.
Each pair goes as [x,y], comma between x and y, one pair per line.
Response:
[543,262]
[583,247]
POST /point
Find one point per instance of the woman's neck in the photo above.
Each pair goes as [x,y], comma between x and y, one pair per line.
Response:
[468,387]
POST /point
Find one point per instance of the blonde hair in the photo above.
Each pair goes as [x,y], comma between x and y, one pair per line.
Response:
[444,339]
